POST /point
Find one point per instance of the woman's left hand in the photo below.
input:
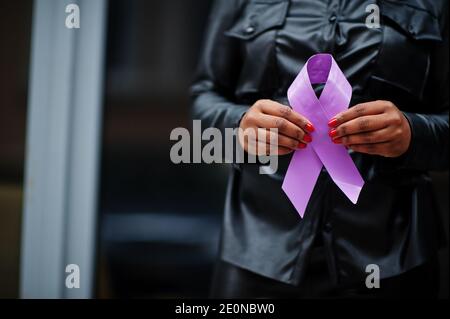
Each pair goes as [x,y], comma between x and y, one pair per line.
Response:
[377,128]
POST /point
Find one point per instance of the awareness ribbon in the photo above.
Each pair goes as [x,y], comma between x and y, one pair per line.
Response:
[306,164]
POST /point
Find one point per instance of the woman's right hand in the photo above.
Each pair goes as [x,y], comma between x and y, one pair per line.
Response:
[293,129]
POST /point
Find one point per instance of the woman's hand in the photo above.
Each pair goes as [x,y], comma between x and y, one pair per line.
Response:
[377,128]
[292,128]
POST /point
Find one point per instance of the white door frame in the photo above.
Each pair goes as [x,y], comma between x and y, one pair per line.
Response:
[62,151]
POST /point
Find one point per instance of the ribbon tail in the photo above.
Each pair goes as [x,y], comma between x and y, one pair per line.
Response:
[341,168]
[352,191]
[301,177]
[343,171]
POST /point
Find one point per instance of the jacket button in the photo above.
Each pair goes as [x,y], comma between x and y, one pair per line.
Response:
[412,30]
[327,227]
[250,29]
[332,18]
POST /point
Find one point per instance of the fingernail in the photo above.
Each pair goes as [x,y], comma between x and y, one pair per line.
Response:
[332,122]
[332,133]
[309,127]
[301,145]
[307,138]
[337,140]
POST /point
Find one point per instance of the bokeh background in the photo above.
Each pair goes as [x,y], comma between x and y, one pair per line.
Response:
[158,223]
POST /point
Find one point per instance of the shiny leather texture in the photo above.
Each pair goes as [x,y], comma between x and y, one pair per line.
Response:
[232,282]
[253,50]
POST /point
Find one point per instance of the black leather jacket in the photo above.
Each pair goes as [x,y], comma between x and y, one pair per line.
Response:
[253,50]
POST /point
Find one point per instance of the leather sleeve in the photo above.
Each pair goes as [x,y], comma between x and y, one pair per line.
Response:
[212,92]
[429,148]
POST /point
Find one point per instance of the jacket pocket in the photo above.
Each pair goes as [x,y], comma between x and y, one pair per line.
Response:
[255,29]
[403,63]
[257,17]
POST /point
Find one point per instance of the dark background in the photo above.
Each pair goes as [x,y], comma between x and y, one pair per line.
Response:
[158,222]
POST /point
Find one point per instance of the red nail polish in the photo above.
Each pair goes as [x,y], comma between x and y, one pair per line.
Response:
[332,133]
[337,140]
[309,127]
[307,138]
[332,123]
[301,145]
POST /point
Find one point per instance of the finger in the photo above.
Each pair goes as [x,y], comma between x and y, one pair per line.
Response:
[255,147]
[359,110]
[260,148]
[272,138]
[286,112]
[284,126]
[284,151]
[359,125]
[374,137]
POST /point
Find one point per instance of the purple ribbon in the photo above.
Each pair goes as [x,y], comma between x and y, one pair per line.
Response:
[306,164]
